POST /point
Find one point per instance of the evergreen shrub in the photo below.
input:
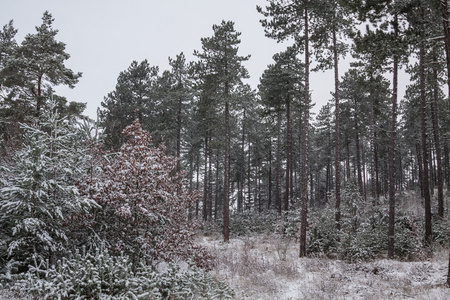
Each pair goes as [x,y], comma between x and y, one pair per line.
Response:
[100,275]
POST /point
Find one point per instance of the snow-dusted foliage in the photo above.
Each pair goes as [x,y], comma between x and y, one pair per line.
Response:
[41,192]
[364,230]
[143,203]
[100,275]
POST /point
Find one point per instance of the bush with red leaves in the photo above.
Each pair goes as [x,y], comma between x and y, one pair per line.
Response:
[144,206]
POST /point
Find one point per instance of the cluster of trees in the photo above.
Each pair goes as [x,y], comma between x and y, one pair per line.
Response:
[262,147]
[61,193]
[258,150]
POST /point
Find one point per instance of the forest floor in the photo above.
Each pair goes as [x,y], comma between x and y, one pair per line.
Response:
[268,267]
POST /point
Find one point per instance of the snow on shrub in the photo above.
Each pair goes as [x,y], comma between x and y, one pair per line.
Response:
[144,205]
[100,275]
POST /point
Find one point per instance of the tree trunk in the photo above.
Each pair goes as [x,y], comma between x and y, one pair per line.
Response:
[241,169]
[437,143]
[448,273]
[249,188]
[288,155]
[205,183]
[226,181]
[420,163]
[445,10]
[305,170]
[180,104]
[216,196]
[269,202]
[392,167]
[337,163]
[210,180]
[358,155]
[278,166]
[197,203]
[423,114]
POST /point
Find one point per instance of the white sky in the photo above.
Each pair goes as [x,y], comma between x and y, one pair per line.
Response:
[103,37]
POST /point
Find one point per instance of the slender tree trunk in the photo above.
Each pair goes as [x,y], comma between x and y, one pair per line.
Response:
[269,202]
[180,104]
[445,10]
[216,196]
[197,203]
[337,163]
[437,143]
[420,163]
[377,169]
[392,154]
[249,188]
[423,113]
[432,178]
[210,180]
[205,183]
[448,273]
[226,181]
[305,170]
[447,164]
[191,186]
[358,155]
[288,155]
[241,171]
[278,166]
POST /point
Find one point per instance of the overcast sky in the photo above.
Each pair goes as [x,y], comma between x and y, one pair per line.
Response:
[103,37]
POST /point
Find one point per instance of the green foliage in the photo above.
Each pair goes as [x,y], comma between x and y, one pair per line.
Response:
[248,222]
[42,194]
[364,232]
[100,275]
[323,237]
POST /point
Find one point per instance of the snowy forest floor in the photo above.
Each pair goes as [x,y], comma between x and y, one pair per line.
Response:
[268,267]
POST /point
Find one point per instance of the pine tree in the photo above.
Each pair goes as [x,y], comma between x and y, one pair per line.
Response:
[292,20]
[224,65]
[280,87]
[42,194]
[387,45]
[37,65]
[133,97]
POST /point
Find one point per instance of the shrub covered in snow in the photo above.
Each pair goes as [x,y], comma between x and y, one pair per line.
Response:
[100,275]
[144,204]
[364,229]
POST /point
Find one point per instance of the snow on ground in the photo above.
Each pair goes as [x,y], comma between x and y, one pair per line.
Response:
[268,267]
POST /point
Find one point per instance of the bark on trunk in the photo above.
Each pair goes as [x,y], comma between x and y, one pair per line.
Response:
[392,167]
[226,181]
[437,143]
[278,165]
[288,155]
[337,163]
[305,170]
[423,113]
[445,10]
